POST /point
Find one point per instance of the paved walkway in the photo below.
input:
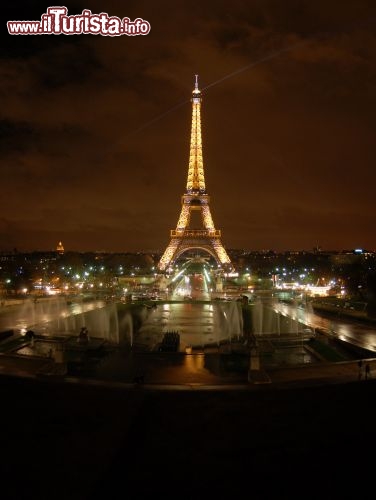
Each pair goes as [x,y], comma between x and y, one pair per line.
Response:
[195,440]
[319,373]
[188,372]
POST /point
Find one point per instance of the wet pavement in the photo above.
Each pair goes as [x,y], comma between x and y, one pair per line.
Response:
[188,426]
[201,425]
[92,440]
[227,367]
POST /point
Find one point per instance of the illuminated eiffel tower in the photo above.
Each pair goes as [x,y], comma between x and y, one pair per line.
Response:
[184,238]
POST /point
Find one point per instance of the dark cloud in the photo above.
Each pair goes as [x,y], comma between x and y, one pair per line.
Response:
[91,155]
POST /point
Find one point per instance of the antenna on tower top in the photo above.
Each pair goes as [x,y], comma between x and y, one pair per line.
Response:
[196,82]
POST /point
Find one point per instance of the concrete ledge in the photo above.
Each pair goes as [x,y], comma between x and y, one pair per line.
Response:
[52,370]
[258,377]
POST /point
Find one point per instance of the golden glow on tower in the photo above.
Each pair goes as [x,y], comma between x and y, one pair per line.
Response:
[60,248]
[207,218]
[195,198]
[196,179]
[184,218]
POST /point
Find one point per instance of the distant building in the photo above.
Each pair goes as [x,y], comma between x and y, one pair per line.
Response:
[60,248]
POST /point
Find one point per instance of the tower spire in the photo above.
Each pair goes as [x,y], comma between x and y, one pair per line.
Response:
[196,178]
[195,198]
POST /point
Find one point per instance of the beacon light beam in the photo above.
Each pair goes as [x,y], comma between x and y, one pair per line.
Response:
[217,82]
[254,63]
[289,48]
[157,118]
[264,59]
[177,275]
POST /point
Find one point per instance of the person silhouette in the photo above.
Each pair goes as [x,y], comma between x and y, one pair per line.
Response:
[367,371]
[360,365]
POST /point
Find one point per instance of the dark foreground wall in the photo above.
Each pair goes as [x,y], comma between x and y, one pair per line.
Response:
[66,442]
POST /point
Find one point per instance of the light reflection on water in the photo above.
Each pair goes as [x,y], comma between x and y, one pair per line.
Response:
[42,349]
[197,324]
[195,363]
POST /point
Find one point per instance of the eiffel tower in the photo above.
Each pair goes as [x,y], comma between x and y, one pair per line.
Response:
[206,238]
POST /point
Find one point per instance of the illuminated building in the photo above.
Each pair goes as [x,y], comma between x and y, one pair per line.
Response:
[185,238]
[60,248]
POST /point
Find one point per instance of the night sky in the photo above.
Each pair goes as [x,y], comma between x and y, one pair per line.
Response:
[94,130]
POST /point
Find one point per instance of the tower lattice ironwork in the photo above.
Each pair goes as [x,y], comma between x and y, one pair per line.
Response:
[206,238]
